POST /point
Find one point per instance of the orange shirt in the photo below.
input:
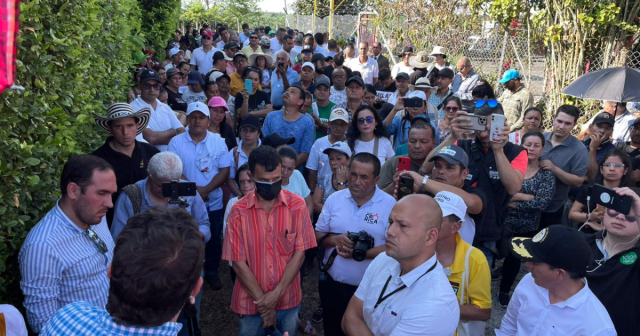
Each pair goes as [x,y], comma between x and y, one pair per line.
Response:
[267,241]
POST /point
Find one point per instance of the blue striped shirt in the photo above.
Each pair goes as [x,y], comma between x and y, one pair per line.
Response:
[59,265]
[85,319]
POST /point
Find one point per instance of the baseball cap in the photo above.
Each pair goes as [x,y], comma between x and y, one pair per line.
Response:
[446,72]
[218,102]
[355,79]
[207,33]
[215,75]
[274,140]
[250,121]
[451,204]
[406,50]
[323,80]
[195,78]
[174,51]
[557,245]
[402,75]
[509,75]
[317,57]
[306,48]
[231,45]
[149,75]
[265,41]
[604,117]
[308,64]
[271,32]
[218,55]
[173,71]
[453,155]
[339,114]
[198,106]
[339,146]
[239,53]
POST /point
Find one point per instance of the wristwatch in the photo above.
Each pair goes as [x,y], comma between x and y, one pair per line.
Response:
[342,183]
[423,186]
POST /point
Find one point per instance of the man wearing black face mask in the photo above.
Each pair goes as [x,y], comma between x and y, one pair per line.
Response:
[267,291]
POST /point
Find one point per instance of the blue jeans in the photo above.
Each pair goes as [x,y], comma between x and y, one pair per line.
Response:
[182,319]
[487,248]
[213,250]
[286,321]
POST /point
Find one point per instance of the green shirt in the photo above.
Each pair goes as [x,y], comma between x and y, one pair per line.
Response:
[323,113]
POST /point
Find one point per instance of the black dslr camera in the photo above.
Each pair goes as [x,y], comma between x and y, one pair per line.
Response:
[362,242]
[177,190]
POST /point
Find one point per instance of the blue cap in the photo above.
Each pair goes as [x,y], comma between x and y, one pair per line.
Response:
[195,78]
[509,75]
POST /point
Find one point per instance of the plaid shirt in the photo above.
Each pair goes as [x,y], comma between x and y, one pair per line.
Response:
[514,104]
[83,318]
[267,242]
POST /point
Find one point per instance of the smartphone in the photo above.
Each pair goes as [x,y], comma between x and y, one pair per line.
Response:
[497,123]
[610,199]
[413,102]
[404,163]
[478,123]
[248,84]
[175,189]
[405,186]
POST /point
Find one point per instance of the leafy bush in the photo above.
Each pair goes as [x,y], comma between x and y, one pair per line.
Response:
[74,58]
[159,23]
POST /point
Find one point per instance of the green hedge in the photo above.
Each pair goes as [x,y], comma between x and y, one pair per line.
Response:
[74,58]
[159,22]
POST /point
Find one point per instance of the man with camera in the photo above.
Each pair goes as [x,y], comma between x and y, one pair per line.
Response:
[405,291]
[351,229]
[205,160]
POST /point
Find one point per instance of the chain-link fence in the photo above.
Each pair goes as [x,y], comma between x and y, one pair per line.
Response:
[343,25]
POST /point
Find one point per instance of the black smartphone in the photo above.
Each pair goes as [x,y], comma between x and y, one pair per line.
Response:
[405,186]
[413,102]
[175,189]
[610,199]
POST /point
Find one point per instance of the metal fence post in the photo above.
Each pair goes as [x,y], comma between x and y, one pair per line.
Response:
[502,54]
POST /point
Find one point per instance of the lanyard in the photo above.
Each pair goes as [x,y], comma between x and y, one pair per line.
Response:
[383,297]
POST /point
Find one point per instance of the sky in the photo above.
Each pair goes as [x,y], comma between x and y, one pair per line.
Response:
[273,5]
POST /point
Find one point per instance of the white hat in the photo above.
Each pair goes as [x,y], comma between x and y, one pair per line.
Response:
[199,107]
[421,60]
[451,204]
[423,83]
[13,321]
[417,94]
[174,51]
[254,57]
[339,114]
[339,146]
[437,50]
[308,64]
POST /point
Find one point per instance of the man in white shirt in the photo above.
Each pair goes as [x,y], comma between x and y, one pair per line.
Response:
[361,207]
[338,92]
[554,299]
[276,42]
[205,161]
[244,35]
[224,37]
[163,124]
[405,290]
[202,58]
[402,85]
[364,64]
[287,45]
[298,41]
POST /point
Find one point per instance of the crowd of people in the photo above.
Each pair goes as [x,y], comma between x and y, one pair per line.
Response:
[304,155]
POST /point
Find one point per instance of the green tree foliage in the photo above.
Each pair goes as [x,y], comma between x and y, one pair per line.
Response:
[349,7]
[159,22]
[73,59]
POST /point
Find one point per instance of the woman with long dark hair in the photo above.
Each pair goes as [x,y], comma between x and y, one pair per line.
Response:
[451,107]
[532,122]
[258,102]
[217,124]
[367,134]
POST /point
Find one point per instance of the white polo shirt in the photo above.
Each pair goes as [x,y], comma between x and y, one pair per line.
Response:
[204,60]
[162,119]
[319,161]
[368,70]
[275,45]
[530,313]
[341,214]
[427,306]
[201,162]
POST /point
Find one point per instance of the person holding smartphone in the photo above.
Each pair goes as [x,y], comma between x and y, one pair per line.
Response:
[398,125]
[256,102]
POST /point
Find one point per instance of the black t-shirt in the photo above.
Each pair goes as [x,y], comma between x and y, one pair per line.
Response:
[257,101]
[229,135]
[128,170]
[175,101]
[417,74]
[390,88]
[616,283]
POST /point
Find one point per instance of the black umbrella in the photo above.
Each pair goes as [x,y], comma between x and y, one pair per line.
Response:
[613,84]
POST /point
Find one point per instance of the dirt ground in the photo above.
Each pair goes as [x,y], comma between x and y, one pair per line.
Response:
[218,319]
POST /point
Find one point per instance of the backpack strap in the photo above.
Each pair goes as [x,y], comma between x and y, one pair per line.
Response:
[444,100]
[135,195]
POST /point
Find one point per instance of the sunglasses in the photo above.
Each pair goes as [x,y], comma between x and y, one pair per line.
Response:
[612,213]
[613,165]
[451,109]
[490,102]
[253,37]
[151,86]
[206,38]
[100,244]
[369,120]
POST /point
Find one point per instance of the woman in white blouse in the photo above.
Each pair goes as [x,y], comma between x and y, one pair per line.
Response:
[368,134]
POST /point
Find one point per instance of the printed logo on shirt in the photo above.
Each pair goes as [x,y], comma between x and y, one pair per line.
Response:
[628,258]
[370,218]
[142,163]
[469,177]
[494,175]
[455,286]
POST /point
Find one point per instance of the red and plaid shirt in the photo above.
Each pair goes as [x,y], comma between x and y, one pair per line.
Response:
[266,242]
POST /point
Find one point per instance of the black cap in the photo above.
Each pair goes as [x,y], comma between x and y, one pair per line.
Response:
[149,75]
[231,45]
[452,154]
[406,50]
[173,71]
[218,55]
[274,140]
[195,78]
[446,72]
[250,121]
[603,117]
[402,75]
[557,245]
[355,79]
[317,57]
[239,53]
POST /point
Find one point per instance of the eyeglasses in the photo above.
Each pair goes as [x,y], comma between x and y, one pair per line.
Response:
[612,213]
[490,102]
[451,109]
[206,38]
[253,37]
[613,165]
[369,120]
[148,86]
[102,246]
[339,76]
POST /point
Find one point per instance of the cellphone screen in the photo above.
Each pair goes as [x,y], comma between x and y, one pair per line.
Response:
[413,102]
[248,84]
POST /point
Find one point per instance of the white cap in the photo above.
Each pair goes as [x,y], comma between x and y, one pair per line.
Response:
[417,94]
[174,51]
[451,204]
[14,322]
[308,64]
[339,146]
[198,106]
[339,114]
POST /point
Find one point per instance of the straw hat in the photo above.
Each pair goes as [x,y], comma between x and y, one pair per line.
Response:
[120,111]
[421,60]
[253,60]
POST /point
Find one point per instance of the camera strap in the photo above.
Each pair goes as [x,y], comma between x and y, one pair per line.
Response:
[332,256]
[383,297]
[444,100]
[135,195]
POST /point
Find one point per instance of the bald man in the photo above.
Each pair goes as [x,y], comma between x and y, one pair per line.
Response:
[383,62]
[405,290]
[465,80]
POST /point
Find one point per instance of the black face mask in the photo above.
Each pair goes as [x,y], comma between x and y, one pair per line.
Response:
[268,191]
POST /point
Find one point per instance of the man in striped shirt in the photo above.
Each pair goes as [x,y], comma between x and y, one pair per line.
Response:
[65,256]
[268,232]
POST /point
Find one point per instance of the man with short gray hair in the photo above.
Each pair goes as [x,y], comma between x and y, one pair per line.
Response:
[465,81]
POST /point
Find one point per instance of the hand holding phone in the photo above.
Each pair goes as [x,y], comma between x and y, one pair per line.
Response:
[248,84]
[610,199]
[405,186]
[413,102]
[404,163]
[497,123]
